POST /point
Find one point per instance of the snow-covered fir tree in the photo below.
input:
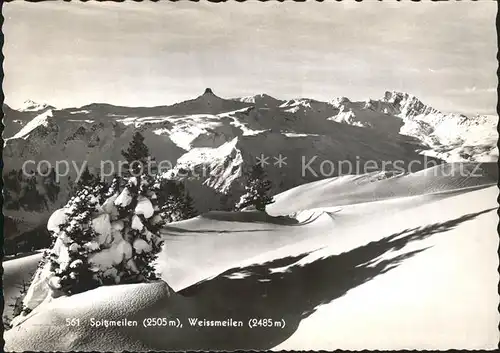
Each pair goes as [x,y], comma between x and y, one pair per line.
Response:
[74,243]
[101,243]
[130,222]
[138,222]
[175,202]
[115,241]
[86,178]
[257,190]
[139,160]
[114,186]
[91,181]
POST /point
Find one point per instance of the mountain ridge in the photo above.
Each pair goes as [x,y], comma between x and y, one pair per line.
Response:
[230,134]
[404,104]
[390,96]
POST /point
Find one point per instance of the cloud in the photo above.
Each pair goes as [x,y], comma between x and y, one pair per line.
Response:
[471,90]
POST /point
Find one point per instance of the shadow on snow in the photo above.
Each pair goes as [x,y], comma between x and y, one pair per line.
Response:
[293,294]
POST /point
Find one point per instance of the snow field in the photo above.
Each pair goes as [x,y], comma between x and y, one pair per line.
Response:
[406,272]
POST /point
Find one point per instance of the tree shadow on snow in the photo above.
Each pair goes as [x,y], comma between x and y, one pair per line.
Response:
[241,217]
[292,293]
[249,217]
[176,231]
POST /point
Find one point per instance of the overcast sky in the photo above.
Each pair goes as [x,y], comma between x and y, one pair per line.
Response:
[143,54]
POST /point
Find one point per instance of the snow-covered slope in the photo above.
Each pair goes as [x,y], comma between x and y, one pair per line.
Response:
[419,277]
[39,120]
[453,137]
[17,274]
[15,119]
[377,186]
[369,114]
[32,106]
[417,281]
[261,100]
[53,137]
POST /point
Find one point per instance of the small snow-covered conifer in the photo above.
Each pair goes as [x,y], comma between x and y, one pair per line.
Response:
[175,202]
[139,160]
[91,181]
[138,215]
[256,191]
[114,186]
[69,256]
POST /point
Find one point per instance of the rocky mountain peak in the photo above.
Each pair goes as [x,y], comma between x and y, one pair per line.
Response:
[407,104]
[30,106]
[208,91]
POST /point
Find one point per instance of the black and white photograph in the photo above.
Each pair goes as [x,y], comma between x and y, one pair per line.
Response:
[257,175]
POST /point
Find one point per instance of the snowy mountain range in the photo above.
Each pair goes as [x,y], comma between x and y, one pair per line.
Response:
[211,141]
